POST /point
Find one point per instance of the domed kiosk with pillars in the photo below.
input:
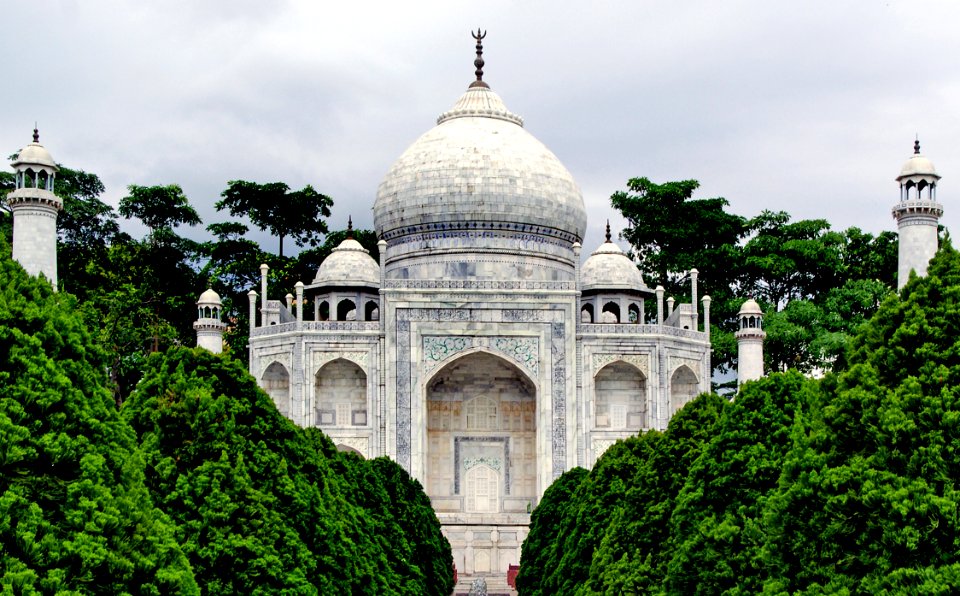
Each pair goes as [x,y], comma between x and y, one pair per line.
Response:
[465,354]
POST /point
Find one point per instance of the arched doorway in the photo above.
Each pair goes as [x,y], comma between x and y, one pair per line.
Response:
[276,383]
[620,394]
[340,394]
[481,436]
[684,386]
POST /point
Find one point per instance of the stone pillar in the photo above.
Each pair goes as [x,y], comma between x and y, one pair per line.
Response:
[263,289]
[252,296]
[695,322]
[289,299]
[659,292]
[299,290]
[670,302]
[706,315]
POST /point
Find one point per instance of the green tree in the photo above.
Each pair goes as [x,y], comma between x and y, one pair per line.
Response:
[716,528]
[158,207]
[75,516]
[633,555]
[253,493]
[868,500]
[540,547]
[790,261]
[273,206]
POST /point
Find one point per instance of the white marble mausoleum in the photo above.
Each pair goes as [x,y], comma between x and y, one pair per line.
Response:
[478,352]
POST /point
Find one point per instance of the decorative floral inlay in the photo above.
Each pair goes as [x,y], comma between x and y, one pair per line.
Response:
[361,444]
[600,446]
[525,350]
[321,358]
[472,462]
[436,349]
[641,361]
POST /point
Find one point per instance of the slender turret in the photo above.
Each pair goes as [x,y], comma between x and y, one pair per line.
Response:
[750,338]
[917,214]
[35,208]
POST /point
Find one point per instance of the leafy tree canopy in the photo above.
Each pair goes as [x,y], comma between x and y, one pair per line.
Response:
[158,207]
[273,206]
[75,516]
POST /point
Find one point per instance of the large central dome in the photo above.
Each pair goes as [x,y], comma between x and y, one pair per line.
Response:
[478,167]
[478,170]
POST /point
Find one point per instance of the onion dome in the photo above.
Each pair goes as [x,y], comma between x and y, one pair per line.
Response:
[609,268]
[209,298]
[478,169]
[918,168]
[35,154]
[349,265]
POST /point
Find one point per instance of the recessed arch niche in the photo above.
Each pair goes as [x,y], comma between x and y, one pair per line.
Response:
[481,436]
[340,394]
[684,386]
[276,383]
[620,397]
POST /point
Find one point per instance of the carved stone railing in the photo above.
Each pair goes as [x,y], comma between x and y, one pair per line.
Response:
[634,329]
[313,326]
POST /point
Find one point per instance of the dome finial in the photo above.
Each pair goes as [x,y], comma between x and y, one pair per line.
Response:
[36,133]
[349,226]
[479,61]
[608,230]
[916,146]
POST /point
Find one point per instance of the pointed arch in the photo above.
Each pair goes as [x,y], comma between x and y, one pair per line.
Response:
[620,397]
[340,394]
[610,313]
[684,386]
[346,310]
[586,313]
[276,383]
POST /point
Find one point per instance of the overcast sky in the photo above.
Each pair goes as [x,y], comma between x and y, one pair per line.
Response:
[809,107]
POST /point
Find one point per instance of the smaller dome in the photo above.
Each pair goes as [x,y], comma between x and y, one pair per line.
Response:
[35,154]
[350,264]
[750,307]
[918,165]
[209,298]
[608,268]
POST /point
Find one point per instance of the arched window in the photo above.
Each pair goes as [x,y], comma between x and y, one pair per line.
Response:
[684,386]
[634,313]
[611,313]
[323,311]
[346,311]
[586,313]
[373,311]
[340,394]
[276,383]
[620,393]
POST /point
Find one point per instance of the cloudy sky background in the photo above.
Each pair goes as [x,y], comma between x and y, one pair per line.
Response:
[809,107]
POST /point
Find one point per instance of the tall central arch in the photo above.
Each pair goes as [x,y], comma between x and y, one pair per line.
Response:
[481,436]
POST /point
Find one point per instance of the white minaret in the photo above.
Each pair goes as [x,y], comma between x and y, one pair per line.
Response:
[208,324]
[750,338]
[917,215]
[35,208]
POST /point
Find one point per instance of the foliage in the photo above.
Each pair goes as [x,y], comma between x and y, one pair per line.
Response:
[273,503]
[604,531]
[844,485]
[274,207]
[716,528]
[634,552]
[540,547]
[75,516]
[817,285]
[158,207]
